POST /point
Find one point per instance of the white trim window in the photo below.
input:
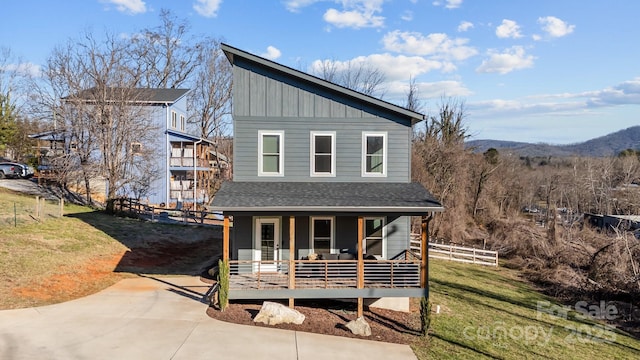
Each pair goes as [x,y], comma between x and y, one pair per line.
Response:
[322,234]
[174,120]
[182,122]
[375,237]
[270,153]
[374,154]
[323,153]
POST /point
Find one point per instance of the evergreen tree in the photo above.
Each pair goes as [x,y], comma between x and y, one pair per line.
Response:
[8,127]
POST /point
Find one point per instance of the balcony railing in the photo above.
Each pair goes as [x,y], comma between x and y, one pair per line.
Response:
[187,162]
[181,194]
[323,274]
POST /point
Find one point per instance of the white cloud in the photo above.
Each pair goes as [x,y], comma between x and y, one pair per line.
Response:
[464,26]
[207,8]
[511,59]
[438,45]
[624,93]
[407,15]
[272,53]
[508,29]
[449,4]
[394,67]
[565,104]
[510,107]
[352,18]
[453,4]
[353,13]
[555,27]
[128,6]
[541,116]
[23,69]
[296,5]
[627,92]
[427,90]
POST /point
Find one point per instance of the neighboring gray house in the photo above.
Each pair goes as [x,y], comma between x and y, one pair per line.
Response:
[182,158]
[321,197]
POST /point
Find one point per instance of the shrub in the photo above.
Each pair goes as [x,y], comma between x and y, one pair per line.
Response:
[223,281]
[425,315]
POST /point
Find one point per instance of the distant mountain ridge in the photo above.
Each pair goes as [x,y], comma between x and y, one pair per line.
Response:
[608,145]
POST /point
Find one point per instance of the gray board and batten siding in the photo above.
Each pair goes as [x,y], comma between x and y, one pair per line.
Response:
[397,230]
[266,98]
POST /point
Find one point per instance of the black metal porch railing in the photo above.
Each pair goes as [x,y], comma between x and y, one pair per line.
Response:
[323,274]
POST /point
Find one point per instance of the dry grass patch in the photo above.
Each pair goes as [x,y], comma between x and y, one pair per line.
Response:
[86,251]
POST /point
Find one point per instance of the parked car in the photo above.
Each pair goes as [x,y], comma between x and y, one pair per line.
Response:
[15,170]
[9,170]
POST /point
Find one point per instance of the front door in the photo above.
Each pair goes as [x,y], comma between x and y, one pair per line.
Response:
[267,246]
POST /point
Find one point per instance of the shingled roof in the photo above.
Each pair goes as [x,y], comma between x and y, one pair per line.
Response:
[400,198]
[135,95]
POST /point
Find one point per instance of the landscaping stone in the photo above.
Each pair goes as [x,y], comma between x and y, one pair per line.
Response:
[273,313]
[359,327]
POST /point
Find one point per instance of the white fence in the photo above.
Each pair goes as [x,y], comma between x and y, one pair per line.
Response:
[457,253]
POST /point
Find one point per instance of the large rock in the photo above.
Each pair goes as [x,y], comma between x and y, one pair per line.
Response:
[273,313]
[359,327]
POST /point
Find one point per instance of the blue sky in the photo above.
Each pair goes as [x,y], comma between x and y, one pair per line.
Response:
[537,71]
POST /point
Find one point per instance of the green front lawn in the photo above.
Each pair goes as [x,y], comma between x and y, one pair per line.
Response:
[490,313]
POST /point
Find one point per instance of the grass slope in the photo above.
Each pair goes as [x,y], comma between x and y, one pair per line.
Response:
[57,259]
[491,313]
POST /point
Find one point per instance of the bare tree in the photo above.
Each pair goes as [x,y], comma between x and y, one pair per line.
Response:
[210,105]
[413,97]
[210,98]
[486,167]
[93,102]
[163,57]
[355,75]
[441,164]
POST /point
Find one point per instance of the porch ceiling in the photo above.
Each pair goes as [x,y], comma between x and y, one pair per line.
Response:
[400,198]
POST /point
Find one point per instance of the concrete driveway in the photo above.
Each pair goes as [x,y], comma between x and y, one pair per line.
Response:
[151,318]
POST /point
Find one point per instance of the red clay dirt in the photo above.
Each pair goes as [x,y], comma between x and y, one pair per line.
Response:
[322,317]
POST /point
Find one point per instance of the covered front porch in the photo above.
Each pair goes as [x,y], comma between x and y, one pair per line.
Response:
[278,219]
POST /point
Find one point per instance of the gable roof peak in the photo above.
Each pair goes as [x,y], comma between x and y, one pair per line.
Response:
[232,52]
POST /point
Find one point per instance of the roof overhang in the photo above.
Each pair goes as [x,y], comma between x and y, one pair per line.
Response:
[325,197]
[179,136]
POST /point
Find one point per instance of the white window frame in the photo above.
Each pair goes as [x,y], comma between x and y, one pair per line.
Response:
[384,234]
[174,119]
[312,152]
[182,122]
[332,239]
[257,247]
[261,134]
[385,154]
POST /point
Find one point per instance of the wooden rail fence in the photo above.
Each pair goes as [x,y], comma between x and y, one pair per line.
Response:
[154,213]
[457,253]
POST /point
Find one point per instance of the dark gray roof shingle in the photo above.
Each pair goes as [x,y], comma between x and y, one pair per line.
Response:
[325,196]
[136,95]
